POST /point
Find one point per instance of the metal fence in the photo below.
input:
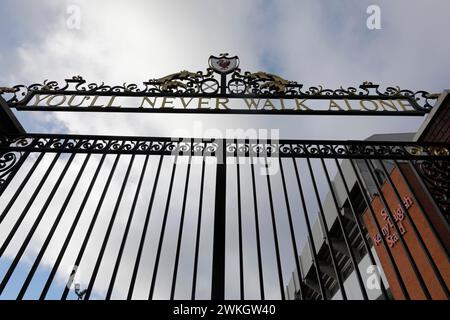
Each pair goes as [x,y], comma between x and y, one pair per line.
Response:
[101,217]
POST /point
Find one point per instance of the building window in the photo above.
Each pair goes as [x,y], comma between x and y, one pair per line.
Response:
[381,177]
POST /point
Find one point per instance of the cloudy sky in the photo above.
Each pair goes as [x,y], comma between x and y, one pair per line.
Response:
[317,42]
[313,42]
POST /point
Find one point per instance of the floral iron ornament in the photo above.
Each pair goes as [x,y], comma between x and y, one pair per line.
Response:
[223,78]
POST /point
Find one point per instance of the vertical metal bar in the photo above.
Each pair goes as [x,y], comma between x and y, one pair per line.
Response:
[127,229]
[223,83]
[108,230]
[20,188]
[163,229]
[181,226]
[275,233]
[11,175]
[199,223]
[402,241]
[258,237]
[291,229]
[327,238]
[315,263]
[52,230]
[416,231]
[315,260]
[71,231]
[344,233]
[218,271]
[377,224]
[358,224]
[94,219]
[239,207]
[30,233]
[144,230]
[24,182]
[28,206]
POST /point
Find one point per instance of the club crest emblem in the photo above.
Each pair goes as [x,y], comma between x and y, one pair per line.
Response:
[223,64]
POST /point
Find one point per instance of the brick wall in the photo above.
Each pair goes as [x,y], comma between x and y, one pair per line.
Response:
[436,250]
[437,129]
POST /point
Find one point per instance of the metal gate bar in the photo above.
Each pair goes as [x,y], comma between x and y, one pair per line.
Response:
[291,231]
[327,237]
[274,233]
[127,229]
[144,230]
[360,227]
[52,231]
[344,234]
[311,244]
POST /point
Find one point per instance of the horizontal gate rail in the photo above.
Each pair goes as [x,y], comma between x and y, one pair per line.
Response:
[342,149]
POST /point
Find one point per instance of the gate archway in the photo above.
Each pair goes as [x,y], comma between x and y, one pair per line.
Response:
[194,218]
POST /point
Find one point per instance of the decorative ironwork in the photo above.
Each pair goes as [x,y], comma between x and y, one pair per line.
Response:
[282,148]
[432,150]
[222,79]
[330,276]
[8,161]
[436,175]
[265,83]
[181,82]
[337,149]
[7,90]
[215,83]
[104,144]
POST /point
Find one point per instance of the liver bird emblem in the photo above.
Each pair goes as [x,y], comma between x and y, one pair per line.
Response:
[224,63]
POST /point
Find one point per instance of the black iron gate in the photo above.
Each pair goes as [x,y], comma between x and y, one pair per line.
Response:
[95,217]
[260,204]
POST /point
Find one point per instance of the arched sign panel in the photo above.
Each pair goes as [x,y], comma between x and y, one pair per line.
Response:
[222,88]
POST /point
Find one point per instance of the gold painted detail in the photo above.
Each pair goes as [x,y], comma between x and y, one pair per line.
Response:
[7,90]
[174,81]
[438,151]
[272,82]
[429,150]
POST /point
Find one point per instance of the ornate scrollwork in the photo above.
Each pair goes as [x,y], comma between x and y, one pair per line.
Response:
[102,144]
[260,82]
[282,148]
[211,82]
[181,82]
[8,161]
[7,90]
[432,150]
[336,149]
[436,175]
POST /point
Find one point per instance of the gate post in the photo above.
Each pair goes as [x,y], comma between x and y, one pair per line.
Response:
[218,266]
[9,124]
[10,162]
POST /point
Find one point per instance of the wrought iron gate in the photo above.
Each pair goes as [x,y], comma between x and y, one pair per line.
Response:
[268,197]
[94,217]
